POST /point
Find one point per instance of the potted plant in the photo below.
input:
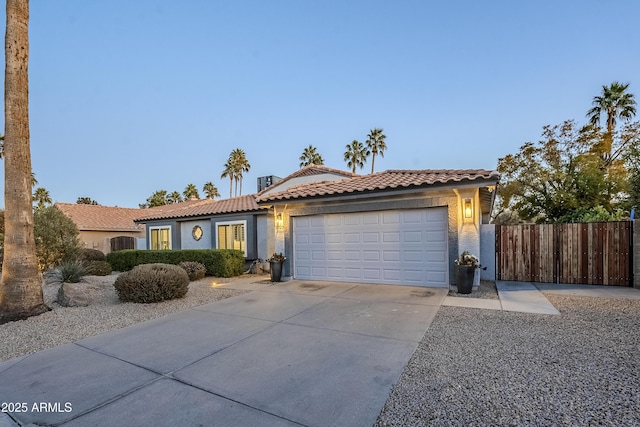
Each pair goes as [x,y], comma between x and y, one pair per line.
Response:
[466,266]
[275,262]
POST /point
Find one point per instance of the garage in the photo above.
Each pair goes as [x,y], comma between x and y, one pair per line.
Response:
[399,247]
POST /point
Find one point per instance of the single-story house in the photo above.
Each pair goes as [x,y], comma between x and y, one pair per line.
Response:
[98,225]
[392,227]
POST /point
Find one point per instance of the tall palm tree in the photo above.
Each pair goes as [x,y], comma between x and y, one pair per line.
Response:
[616,103]
[41,197]
[241,165]
[376,144]
[229,172]
[356,155]
[310,156]
[21,285]
[191,191]
[211,190]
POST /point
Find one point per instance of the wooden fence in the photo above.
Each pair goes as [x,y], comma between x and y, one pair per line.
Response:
[122,242]
[597,253]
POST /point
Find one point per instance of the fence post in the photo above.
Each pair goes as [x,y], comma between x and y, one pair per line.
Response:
[636,253]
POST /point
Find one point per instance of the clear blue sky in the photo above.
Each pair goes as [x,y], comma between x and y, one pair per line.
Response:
[128,97]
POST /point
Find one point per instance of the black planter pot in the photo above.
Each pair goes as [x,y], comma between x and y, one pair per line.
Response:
[276,271]
[464,278]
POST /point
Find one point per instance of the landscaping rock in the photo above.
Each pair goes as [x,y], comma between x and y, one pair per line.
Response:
[79,294]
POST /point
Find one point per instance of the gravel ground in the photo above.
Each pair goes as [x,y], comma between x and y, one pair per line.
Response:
[485,367]
[486,290]
[63,325]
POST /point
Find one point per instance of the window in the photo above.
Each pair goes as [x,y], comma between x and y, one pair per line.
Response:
[231,235]
[160,238]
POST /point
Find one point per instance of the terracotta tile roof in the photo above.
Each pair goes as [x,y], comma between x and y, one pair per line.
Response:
[388,180]
[100,218]
[194,208]
[308,170]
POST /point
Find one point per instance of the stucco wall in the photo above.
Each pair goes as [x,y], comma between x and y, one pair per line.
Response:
[101,240]
[187,240]
[488,251]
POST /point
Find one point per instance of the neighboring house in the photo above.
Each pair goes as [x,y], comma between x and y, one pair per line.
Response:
[393,227]
[99,224]
[236,223]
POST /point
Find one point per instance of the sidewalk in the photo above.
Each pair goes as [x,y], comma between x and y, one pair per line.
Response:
[526,297]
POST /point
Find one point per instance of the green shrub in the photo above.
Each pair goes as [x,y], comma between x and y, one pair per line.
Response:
[218,262]
[56,237]
[91,255]
[71,271]
[152,283]
[195,270]
[98,268]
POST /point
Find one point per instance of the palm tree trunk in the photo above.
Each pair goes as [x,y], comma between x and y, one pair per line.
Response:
[21,284]
[230,186]
[373,161]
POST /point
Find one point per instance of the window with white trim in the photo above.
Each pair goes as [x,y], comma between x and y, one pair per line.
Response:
[232,235]
[160,238]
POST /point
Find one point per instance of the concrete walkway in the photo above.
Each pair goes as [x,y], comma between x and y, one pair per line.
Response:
[295,353]
[527,297]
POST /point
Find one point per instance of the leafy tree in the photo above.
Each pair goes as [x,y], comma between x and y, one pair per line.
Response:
[41,197]
[190,191]
[211,190]
[21,285]
[173,197]
[310,156]
[376,144]
[56,237]
[616,103]
[158,198]
[562,173]
[86,201]
[356,155]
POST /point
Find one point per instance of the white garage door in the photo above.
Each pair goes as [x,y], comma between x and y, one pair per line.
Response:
[403,247]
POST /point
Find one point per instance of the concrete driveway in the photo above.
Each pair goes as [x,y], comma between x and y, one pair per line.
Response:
[294,353]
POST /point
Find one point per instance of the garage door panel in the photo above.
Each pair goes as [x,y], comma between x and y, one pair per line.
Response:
[394,247]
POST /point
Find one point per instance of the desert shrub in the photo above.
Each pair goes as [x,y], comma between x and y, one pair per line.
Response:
[98,268]
[218,262]
[71,271]
[56,237]
[195,270]
[152,283]
[91,255]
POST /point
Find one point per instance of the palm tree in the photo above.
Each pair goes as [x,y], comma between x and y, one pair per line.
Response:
[229,172]
[41,198]
[241,165]
[616,103]
[173,197]
[191,191]
[310,156]
[376,144]
[210,190]
[21,285]
[356,155]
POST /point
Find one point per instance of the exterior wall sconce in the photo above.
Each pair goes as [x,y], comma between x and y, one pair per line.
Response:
[279,222]
[468,208]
